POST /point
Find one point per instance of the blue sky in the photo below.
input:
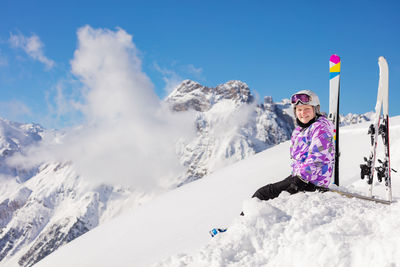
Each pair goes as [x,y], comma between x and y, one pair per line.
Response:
[276,47]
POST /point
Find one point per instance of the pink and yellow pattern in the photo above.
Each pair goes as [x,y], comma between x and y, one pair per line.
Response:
[334,66]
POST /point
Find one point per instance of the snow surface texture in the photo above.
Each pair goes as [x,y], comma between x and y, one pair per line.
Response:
[306,229]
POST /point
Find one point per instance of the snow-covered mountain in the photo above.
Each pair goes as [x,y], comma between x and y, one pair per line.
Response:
[50,204]
[356,118]
[13,138]
[230,125]
[52,208]
[306,229]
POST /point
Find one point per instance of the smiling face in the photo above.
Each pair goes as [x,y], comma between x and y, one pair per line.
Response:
[305,113]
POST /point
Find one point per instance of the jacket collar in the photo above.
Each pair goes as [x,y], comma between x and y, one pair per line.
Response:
[308,124]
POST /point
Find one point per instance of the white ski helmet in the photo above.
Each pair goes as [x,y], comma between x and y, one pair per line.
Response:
[305,97]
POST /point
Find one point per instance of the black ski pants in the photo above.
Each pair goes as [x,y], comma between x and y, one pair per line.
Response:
[291,184]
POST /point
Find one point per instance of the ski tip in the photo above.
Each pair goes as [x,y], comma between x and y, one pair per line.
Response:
[334,59]
[334,66]
[382,59]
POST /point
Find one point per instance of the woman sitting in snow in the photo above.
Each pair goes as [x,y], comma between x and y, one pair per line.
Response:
[312,150]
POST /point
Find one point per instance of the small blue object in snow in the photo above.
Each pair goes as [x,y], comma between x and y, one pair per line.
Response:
[215,231]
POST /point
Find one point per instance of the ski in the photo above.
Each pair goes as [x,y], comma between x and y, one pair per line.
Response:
[355,195]
[334,93]
[384,170]
[380,126]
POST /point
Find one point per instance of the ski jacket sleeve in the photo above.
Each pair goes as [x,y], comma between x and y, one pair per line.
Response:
[312,151]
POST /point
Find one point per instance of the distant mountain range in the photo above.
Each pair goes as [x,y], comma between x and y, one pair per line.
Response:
[49,205]
[356,118]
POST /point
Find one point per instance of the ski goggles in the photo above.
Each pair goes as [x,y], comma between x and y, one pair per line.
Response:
[303,98]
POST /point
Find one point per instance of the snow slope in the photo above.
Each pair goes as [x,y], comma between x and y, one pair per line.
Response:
[310,229]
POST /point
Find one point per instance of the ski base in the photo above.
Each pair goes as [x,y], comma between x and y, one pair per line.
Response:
[355,195]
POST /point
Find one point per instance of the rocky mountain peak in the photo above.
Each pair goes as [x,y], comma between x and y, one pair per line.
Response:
[192,95]
[235,90]
[268,100]
[188,86]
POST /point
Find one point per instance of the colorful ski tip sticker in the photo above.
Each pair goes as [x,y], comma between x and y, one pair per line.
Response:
[335,59]
[334,66]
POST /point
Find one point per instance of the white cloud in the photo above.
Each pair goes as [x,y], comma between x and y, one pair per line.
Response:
[170,77]
[33,46]
[128,136]
[197,72]
[63,103]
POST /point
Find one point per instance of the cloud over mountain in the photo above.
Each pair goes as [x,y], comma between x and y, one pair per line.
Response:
[33,46]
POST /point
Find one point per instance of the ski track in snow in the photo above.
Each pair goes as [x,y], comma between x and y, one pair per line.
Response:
[306,229]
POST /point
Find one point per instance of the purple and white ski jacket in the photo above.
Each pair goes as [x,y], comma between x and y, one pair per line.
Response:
[312,150]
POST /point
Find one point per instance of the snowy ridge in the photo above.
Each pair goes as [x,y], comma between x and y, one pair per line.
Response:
[51,209]
[13,138]
[356,118]
[48,205]
[230,126]
[192,95]
[307,229]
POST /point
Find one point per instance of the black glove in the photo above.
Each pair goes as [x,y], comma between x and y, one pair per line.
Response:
[299,184]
